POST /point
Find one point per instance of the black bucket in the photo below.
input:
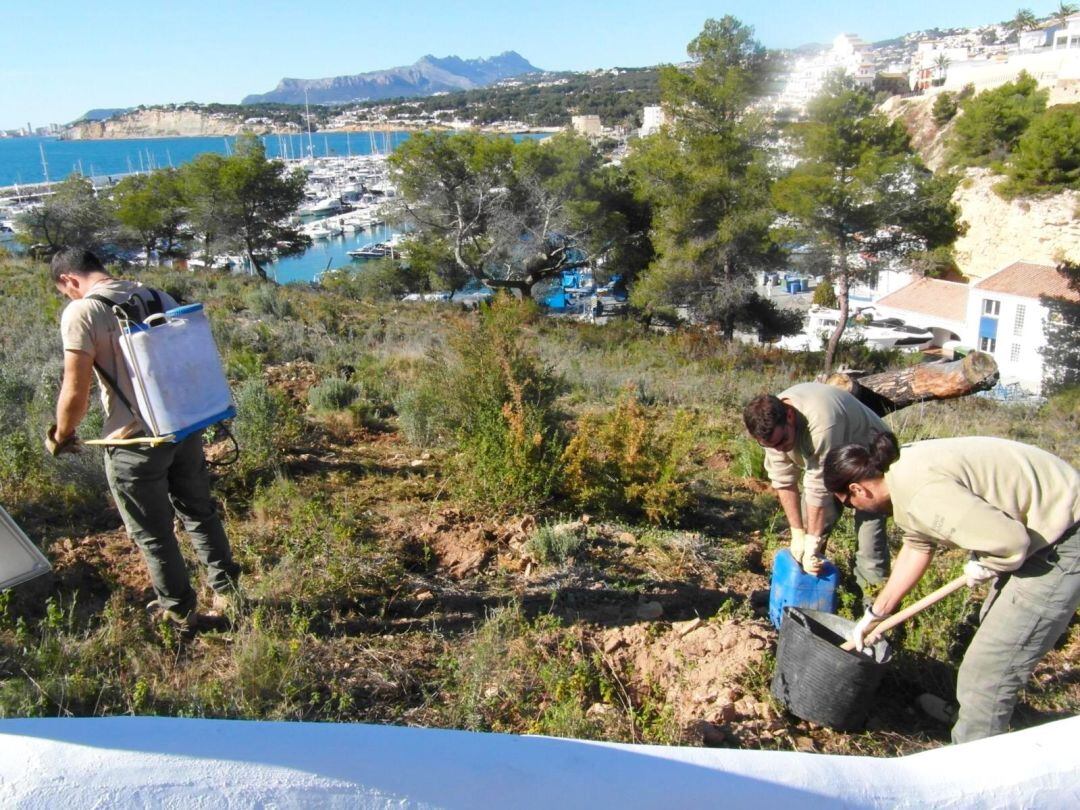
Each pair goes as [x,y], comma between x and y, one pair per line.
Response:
[817,680]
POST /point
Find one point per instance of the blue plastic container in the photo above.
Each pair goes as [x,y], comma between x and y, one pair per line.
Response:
[803,285]
[793,586]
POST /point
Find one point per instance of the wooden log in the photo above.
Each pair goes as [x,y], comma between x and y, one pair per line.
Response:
[892,390]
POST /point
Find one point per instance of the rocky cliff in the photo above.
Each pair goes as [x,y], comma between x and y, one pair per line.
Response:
[1002,231]
[158,123]
[999,231]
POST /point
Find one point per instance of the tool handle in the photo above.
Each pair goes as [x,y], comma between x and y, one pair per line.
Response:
[150,441]
[910,610]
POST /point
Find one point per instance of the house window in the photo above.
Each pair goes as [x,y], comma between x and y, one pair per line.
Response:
[991,307]
[987,344]
[1014,353]
[1018,324]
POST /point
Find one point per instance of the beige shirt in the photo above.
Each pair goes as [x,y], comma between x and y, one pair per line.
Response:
[91,327]
[1001,499]
[828,417]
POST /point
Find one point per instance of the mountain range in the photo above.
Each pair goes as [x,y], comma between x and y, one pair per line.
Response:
[426,76]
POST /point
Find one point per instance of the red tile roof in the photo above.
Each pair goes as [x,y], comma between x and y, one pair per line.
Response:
[1029,281]
[931,296]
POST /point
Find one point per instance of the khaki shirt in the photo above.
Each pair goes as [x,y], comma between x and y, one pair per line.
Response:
[91,327]
[827,417]
[1001,499]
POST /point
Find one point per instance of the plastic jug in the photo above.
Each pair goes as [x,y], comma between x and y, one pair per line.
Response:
[176,371]
[793,586]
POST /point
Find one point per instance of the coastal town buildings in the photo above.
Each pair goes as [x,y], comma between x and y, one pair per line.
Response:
[587,125]
[1003,315]
[652,118]
[848,55]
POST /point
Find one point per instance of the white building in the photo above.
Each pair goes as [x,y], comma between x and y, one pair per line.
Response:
[1001,314]
[931,62]
[1069,36]
[940,306]
[849,55]
[587,125]
[652,118]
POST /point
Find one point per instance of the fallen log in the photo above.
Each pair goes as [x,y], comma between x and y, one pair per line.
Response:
[892,390]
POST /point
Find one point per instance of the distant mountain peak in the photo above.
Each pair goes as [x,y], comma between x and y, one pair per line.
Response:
[428,75]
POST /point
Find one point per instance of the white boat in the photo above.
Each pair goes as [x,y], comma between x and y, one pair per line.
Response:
[891,333]
[327,205]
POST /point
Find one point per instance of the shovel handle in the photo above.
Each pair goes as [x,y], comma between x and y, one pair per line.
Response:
[910,610]
[149,441]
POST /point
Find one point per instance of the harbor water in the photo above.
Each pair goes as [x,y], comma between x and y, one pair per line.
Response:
[324,254]
[20,158]
[21,161]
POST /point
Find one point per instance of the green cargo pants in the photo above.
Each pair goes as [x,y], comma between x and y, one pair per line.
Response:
[1022,618]
[872,553]
[148,484]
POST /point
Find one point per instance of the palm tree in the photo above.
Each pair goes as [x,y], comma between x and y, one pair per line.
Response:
[1024,20]
[1065,10]
[941,66]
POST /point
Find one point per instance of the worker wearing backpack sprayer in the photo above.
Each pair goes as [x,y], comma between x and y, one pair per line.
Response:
[148,478]
[1016,509]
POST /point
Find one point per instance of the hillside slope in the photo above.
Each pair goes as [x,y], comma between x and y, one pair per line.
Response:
[999,231]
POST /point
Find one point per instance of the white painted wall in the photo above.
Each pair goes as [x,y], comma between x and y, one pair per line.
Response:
[121,762]
[1026,367]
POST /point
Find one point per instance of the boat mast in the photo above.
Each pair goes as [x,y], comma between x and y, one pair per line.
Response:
[307,115]
[44,164]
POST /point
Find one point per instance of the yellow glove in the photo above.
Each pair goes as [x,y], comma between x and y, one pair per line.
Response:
[798,538]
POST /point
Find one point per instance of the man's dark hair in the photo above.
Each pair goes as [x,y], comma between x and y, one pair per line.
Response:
[76,262]
[855,463]
[763,414]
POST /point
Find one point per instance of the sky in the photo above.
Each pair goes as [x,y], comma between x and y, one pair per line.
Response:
[60,58]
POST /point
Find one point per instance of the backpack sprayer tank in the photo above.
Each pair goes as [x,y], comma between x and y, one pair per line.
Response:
[176,371]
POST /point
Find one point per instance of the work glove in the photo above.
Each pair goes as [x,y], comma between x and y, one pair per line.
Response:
[797,541]
[977,573]
[813,550]
[69,445]
[863,628]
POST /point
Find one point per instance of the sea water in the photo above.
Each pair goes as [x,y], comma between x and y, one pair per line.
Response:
[20,158]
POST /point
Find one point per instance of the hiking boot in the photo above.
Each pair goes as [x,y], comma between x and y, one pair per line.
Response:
[186,622]
[937,708]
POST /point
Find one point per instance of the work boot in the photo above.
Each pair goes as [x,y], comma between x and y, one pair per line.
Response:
[937,708]
[230,605]
[185,622]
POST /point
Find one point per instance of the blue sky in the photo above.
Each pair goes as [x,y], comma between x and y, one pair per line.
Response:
[59,58]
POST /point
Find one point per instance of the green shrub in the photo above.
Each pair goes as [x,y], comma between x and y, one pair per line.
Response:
[552,543]
[267,299]
[333,394]
[625,462]
[420,412]
[522,676]
[264,423]
[825,295]
[380,280]
[749,459]
[993,121]
[945,107]
[1047,157]
[500,401]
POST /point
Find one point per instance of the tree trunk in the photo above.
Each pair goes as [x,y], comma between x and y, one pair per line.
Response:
[255,264]
[524,288]
[892,390]
[842,287]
